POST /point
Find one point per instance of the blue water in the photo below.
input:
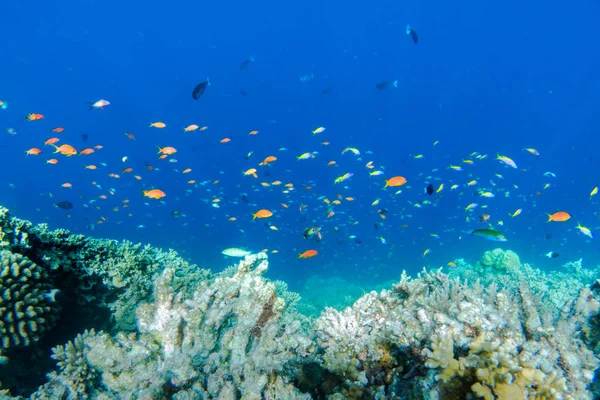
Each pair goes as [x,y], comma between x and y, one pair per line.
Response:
[491,78]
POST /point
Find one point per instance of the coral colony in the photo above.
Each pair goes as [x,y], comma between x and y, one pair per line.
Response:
[140,323]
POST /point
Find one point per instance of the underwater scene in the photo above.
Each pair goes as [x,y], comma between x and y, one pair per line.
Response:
[306,200]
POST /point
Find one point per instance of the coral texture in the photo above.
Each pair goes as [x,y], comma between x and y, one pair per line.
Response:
[440,338]
[27,305]
[230,338]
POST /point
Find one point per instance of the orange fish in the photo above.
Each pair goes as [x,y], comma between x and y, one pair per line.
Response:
[86,151]
[51,141]
[67,185]
[138,177]
[159,125]
[91,167]
[126,170]
[225,140]
[308,254]
[98,147]
[204,128]
[59,129]
[268,160]
[52,161]
[34,151]
[187,171]
[34,117]
[262,214]
[66,149]
[154,194]
[331,214]
[252,132]
[190,128]
[560,216]
[395,181]
[167,150]
[191,181]
[130,135]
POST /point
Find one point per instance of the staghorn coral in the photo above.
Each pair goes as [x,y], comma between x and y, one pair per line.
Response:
[231,337]
[27,307]
[76,378]
[451,339]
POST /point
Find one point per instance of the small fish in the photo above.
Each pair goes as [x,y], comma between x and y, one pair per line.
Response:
[235,252]
[318,130]
[154,194]
[395,181]
[199,89]
[429,189]
[586,231]
[312,233]
[489,234]
[560,216]
[246,63]
[98,105]
[412,33]
[518,212]
[594,192]
[531,151]
[386,85]
[552,254]
[308,254]
[506,161]
[65,205]
[262,214]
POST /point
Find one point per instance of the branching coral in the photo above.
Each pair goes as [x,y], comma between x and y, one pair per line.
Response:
[474,340]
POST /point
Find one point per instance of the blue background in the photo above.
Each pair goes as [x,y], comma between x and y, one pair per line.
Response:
[486,77]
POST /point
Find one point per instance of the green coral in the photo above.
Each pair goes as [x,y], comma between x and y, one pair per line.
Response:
[500,260]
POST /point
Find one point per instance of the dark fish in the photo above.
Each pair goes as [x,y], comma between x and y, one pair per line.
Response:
[65,205]
[84,137]
[199,89]
[175,213]
[413,34]
[430,189]
[387,85]
[243,92]
[357,240]
[383,212]
[489,234]
[245,198]
[246,63]
[327,91]
[548,236]
[552,255]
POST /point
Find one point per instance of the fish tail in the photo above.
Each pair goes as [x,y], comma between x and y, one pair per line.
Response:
[159,150]
[549,218]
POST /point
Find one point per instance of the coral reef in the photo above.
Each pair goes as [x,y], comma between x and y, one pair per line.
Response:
[230,337]
[437,337]
[498,330]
